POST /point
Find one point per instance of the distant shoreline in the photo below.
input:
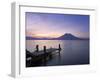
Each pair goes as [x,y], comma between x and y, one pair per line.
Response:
[66,36]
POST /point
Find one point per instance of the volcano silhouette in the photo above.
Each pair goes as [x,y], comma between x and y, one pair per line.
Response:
[68,36]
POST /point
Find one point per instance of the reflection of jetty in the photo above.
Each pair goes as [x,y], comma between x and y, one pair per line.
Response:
[41,55]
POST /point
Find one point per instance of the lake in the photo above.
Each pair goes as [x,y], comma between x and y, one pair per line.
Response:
[74,52]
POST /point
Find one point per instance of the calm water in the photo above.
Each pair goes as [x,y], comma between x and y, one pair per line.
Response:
[73,52]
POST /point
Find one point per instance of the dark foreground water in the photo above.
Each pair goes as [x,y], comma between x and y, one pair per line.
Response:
[74,52]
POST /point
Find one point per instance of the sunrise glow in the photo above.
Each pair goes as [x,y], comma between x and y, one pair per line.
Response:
[55,25]
[53,35]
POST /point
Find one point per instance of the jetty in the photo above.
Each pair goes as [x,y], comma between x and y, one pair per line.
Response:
[41,55]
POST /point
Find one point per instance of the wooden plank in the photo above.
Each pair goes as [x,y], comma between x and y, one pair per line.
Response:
[47,51]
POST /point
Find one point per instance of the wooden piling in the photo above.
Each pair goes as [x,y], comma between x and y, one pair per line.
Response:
[44,49]
[37,48]
[59,47]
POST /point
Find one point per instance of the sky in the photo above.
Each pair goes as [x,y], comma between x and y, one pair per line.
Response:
[55,25]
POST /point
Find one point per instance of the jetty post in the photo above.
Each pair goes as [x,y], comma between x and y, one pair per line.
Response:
[37,48]
[44,50]
[59,49]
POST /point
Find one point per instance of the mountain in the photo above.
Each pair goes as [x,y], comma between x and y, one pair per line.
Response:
[66,36]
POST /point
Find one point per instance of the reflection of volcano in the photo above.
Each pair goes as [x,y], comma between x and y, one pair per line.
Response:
[63,37]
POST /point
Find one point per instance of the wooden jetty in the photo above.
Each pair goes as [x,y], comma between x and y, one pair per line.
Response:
[41,55]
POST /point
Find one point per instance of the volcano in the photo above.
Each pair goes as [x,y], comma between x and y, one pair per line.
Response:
[68,36]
